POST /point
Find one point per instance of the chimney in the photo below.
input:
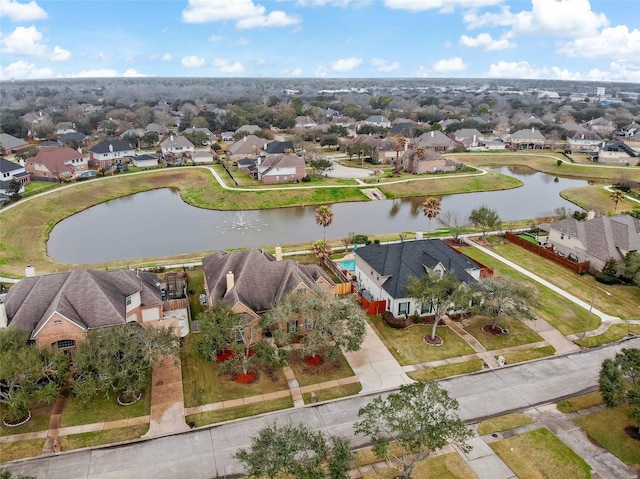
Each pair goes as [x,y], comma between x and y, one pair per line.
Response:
[591,214]
[230,281]
[278,253]
[29,271]
[419,235]
[533,130]
[171,137]
[433,133]
[4,321]
[110,148]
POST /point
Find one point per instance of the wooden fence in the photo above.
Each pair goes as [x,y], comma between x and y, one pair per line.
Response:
[548,253]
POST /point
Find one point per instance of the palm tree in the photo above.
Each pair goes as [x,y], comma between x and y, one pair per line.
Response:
[401,141]
[431,208]
[617,196]
[324,217]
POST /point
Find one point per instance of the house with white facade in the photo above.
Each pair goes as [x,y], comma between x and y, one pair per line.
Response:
[11,172]
[584,141]
[62,163]
[382,271]
[110,152]
[177,145]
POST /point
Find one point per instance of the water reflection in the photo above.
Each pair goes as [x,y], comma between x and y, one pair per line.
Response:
[159,223]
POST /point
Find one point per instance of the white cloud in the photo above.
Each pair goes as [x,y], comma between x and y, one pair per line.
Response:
[522,69]
[423,72]
[346,64]
[551,18]
[227,66]
[215,38]
[382,65]
[564,74]
[166,57]
[105,57]
[192,61]
[445,6]
[24,70]
[245,12]
[131,73]
[485,40]
[96,73]
[261,61]
[615,42]
[449,65]
[24,41]
[296,72]
[333,3]
[59,54]
[21,12]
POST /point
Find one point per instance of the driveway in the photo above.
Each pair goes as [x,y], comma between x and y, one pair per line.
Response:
[341,171]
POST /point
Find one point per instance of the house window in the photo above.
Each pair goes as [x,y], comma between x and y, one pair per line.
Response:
[128,300]
[425,308]
[308,325]
[65,344]
[403,308]
[292,326]
[239,336]
[57,321]
[561,235]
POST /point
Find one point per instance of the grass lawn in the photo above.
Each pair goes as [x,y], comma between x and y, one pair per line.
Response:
[408,347]
[21,449]
[607,427]
[578,403]
[528,354]
[39,421]
[334,393]
[327,371]
[97,438]
[447,370]
[613,333]
[503,423]
[519,333]
[596,198]
[195,282]
[203,384]
[539,454]
[227,414]
[564,315]
[103,409]
[446,466]
[623,302]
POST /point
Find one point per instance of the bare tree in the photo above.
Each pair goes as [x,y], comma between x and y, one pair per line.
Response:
[453,222]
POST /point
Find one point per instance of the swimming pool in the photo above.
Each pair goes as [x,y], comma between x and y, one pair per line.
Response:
[348,265]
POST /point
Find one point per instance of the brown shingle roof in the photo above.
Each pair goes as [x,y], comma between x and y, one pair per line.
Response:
[54,158]
[89,298]
[259,280]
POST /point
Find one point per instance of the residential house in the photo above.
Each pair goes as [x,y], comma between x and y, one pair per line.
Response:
[227,135]
[378,120]
[382,271]
[11,144]
[617,153]
[436,141]
[573,127]
[110,152]
[60,309]
[595,240]
[526,139]
[11,172]
[251,129]
[602,126]
[61,163]
[247,145]
[177,145]
[387,151]
[469,137]
[211,137]
[65,127]
[427,161]
[144,161]
[252,281]
[281,168]
[629,130]
[585,141]
[75,137]
[200,157]
[406,128]
[305,122]
[277,147]
[248,165]
[161,130]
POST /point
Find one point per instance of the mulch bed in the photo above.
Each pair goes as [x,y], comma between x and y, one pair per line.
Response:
[227,354]
[313,360]
[436,341]
[493,331]
[247,378]
[632,432]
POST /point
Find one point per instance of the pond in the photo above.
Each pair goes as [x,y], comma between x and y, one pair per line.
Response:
[158,223]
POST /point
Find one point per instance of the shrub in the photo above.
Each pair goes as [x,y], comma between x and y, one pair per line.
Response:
[559,162]
[306,179]
[397,323]
[360,239]
[605,278]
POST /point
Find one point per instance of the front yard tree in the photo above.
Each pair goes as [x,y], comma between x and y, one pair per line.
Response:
[328,323]
[501,297]
[320,167]
[29,374]
[226,333]
[119,360]
[13,190]
[419,420]
[485,219]
[296,451]
[441,293]
[619,381]
[629,269]
[324,218]
[453,222]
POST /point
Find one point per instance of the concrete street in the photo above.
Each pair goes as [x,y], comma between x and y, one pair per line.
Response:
[208,452]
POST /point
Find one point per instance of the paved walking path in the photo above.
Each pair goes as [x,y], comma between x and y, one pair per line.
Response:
[489,360]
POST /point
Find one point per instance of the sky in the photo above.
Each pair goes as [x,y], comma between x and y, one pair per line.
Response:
[582,40]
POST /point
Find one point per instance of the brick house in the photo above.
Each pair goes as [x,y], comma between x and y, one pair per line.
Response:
[61,163]
[283,168]
[110,152]
[61,309]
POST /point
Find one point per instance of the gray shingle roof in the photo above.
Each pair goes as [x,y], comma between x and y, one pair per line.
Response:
[400,261]
[259,280]
[108,146]
[89,298]
[7,166]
